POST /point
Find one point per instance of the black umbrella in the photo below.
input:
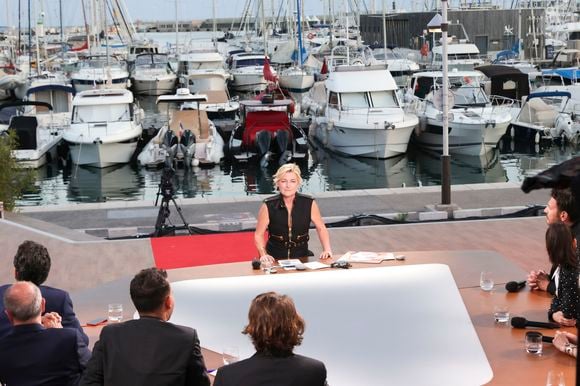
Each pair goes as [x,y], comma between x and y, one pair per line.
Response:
[563,175]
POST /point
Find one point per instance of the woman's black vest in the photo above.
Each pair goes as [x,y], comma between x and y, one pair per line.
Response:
[283,243]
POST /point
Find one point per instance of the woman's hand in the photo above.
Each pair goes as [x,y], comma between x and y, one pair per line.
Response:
[267,259]
[563,339]
[560,319]
[325,255]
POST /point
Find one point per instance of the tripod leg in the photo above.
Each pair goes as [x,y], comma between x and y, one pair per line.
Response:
[181,215]
[162,216]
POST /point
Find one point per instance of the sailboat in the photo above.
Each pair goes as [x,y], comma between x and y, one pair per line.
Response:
[296,78]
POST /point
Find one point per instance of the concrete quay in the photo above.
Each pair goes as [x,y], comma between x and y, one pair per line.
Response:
[128,218]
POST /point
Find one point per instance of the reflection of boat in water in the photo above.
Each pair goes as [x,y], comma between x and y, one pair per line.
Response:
[88,184]
[346,173]
[465,169]
[523,159]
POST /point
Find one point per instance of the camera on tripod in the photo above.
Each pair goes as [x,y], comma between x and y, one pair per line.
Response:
[166,191]
[166,188]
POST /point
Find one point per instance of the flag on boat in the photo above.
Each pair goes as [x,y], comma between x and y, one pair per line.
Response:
[324,69]
[268,75]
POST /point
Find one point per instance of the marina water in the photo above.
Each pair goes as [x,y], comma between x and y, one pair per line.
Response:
[322,171]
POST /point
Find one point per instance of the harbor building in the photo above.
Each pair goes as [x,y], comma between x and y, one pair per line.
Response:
[491,30]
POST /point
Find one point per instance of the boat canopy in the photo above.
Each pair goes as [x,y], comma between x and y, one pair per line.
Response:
[47,87]
[550,94]
[566,73]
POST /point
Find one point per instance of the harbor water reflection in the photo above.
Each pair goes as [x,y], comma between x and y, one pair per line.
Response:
[322,171]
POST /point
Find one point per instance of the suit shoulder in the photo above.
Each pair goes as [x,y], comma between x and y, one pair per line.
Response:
[307,361]
[46,290]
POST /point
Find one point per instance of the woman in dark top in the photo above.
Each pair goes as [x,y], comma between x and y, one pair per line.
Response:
[561,248]
[287,218]
[275,328]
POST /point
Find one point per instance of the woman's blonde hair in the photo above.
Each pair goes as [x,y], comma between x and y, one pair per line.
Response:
[287,168]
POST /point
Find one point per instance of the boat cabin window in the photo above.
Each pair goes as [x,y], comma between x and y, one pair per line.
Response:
[101,113]
[354,100]
[382,99]
[333,99]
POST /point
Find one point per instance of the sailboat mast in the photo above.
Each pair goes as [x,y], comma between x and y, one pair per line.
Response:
[298,11]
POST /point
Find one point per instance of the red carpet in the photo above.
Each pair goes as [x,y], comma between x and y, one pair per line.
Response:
[190,251]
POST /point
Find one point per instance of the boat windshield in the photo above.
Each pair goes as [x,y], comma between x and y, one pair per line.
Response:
[371,99]
[249,62]
[101,113]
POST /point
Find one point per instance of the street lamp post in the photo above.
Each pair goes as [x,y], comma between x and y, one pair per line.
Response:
[445,158]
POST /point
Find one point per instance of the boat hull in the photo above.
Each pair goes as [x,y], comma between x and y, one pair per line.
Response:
[155,86]
[365,141]
[466,139]
[101,155]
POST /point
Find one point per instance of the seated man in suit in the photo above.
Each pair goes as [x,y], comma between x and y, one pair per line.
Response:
[32,263]
[148,350]
[275,328]
[32,354]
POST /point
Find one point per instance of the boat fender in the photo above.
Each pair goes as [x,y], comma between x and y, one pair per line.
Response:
[422,126]
[330,125]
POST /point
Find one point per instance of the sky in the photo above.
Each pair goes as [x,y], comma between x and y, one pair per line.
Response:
[164,10]
[144,10]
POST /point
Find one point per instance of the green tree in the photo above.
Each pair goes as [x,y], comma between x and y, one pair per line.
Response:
[14,179]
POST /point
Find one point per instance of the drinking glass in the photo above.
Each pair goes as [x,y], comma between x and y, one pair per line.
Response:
[230,355]
[501,314]
[115,313]
[267,267]
[486,281]
[534,342]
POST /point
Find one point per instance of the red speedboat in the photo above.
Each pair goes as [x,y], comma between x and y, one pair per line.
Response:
[267,132]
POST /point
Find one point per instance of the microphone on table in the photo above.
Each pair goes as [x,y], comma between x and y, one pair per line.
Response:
[547,339]
[520,322]
[256,263]
[515,286]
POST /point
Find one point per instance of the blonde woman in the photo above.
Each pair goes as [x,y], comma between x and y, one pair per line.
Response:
[287,217]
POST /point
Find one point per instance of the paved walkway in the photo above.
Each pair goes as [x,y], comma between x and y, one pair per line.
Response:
[126,218]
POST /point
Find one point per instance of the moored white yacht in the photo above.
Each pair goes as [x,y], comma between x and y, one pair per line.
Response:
[152,75]
[203,69]
[247,70]
[475,125]
[357,112]
[100,72]
[105,127]
[37,135]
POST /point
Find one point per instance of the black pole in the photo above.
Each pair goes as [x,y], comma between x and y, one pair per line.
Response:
[445,179]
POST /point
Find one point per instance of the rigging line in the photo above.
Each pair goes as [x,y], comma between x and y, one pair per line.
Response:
[115,22]
[127,29]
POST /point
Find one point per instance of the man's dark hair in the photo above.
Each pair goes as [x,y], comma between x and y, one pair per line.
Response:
[149,289]
[32,262]
[567,202]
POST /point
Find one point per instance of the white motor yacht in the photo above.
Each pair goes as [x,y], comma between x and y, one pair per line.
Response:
[357,112]
[475,125]
[152,75]
[105,127]
[100,72]
[202,70]
[247,70]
